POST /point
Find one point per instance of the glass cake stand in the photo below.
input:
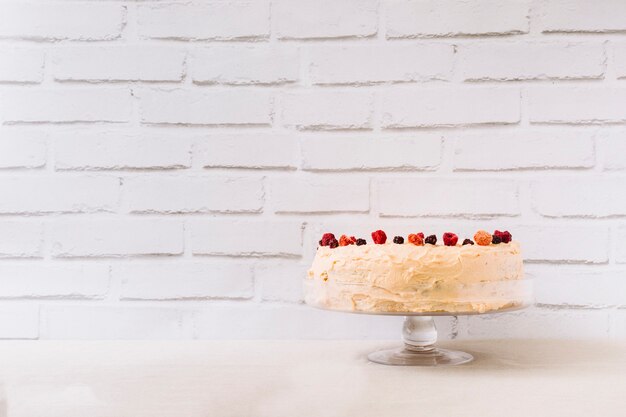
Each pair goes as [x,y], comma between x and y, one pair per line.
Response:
[419,333]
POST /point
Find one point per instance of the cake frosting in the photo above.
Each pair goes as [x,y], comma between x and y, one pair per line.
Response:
[401,278]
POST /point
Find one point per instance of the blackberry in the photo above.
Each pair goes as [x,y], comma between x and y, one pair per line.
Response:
[399,240]
[432,239]
[333,243]
[496,239]
[468,242]
[360,242]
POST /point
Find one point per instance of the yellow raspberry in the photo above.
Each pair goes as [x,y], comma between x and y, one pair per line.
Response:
[482,238]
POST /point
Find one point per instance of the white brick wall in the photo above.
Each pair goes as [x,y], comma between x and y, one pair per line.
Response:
[117,63]
[414,107]
[166,168]
[328,110]
[367,64]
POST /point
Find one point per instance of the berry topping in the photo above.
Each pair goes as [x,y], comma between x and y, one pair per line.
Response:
[345,240]
[333,243]
[504,236]
[468,242]
[399,240]
[450,239]
[496,239]
[432,240]
[482,238]
[360,242]
[416,239]
[326,238]
[379,237]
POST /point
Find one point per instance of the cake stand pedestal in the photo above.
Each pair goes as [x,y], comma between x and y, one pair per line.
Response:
[419,335]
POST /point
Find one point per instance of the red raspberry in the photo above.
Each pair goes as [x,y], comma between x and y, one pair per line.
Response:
[333,244]
[326,239]
[352,240]
[505,236]
[450,239]
[345,241]
[379,237]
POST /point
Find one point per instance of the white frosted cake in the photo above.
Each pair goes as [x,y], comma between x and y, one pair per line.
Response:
[418,276]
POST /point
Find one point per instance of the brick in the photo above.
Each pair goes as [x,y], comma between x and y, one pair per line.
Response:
[58,194]
[429,18]
[577,104]
[537,323]
[578,197]
[248,151]
[206,21]
[21,65]
[240,107]
[368,64]
[620,244]
[184,281]
[120,149]
[22,148]
[54,280]
[21,239]
[613,145]
[325,19]
[531,61]
[538,247]
[577,16]
[245,237]
[281,282]
[619,59]
[114,322]
[117,63]
[587,287]
[328,110]
[237,65]
[193,194]
[367,153]
[60,21]
[66,105]
[447,197]
[530,149]
[116,237]
[449,107]
[19,321]
[316,195]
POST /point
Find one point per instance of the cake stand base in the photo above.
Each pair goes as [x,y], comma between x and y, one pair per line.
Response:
[408,357]
[419,335]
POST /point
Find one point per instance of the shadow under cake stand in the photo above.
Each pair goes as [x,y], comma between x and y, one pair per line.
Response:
[419,335]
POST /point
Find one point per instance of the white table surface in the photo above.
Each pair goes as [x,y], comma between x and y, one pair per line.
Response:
[307,378]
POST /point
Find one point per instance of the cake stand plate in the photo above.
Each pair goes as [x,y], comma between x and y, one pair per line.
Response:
[419,335]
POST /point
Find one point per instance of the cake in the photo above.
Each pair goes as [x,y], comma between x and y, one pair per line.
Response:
[418,275]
